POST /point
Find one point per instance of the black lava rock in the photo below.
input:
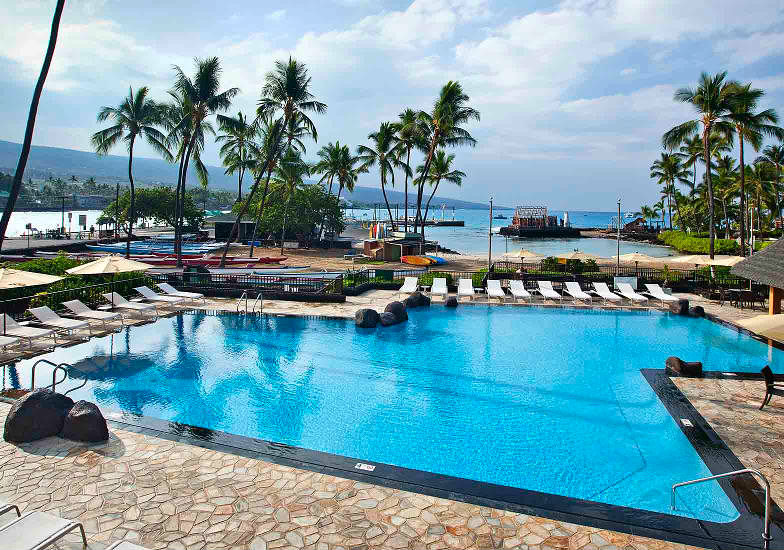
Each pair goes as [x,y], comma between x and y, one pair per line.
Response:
[675,365]
[451,302]
[681,307]
[85,422]
[388,319]
[696,311]
[366,318]
[37,415]
[398,309]
[417,299]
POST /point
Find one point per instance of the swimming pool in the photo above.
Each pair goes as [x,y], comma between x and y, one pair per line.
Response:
[550,400]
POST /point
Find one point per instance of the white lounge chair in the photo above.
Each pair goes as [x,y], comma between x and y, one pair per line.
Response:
[171,291]
[153,296]
[547,291]
[439,288]
[603,291]
[626,290]
[494,290]
[658,292]
[82,311]
[12,328]
[6,341]
[517,288]
[410,285]
[50,319]
[119,302]
[573,289]
[465,287]
[6,507]
[37,530]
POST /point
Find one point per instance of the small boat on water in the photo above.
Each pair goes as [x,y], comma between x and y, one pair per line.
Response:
[500,217]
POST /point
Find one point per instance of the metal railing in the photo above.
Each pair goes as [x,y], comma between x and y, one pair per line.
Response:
[288,283]
[766,533]
[60,367]
[244,297]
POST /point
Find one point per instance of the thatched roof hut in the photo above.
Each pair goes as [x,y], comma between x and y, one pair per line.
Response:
[766,267]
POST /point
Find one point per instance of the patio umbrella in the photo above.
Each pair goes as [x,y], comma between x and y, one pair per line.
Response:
[637,257]
[109,265]
[577,255]
[767,326]
[524,253]
[704,259]
[14,278]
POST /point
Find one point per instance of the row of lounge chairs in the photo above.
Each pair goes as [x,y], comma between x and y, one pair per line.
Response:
[14,333]
[465,289]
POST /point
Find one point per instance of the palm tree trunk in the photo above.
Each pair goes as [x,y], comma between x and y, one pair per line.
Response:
[260,213]
[678,210]
[408,167]
[239,184]
[709,183]
[181,199]
[742,196]
[669,204]
[283,232]
[16,184]
[435,188]
[177,201]
[425,170]
[132,209]
[726,219]
[384,192]
[324,217]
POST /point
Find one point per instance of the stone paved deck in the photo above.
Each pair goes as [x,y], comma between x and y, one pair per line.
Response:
[165,494]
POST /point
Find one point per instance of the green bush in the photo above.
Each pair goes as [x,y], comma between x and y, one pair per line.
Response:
[427,278]
[697,245]
[550,264]
[477,278]
[761,245]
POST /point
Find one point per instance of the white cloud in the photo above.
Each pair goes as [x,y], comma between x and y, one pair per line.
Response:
[628,71]
[750,49]
[276,15]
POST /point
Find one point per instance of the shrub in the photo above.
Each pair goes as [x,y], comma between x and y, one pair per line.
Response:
[550,264]
[477,278]
[427,278]
[697,245]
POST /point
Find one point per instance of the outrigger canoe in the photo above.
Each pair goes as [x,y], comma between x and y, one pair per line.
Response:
[417,260]
[437,259]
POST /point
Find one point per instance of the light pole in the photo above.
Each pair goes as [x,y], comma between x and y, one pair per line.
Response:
[490,237]
[618,257]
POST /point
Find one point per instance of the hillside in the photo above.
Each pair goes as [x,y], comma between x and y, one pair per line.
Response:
[63,163]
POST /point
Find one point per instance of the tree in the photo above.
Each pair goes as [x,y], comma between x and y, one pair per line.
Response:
[286,90]
[668,171]
[760,185]
[750,126]
[289,176]
[408,136]
[381,153]
[441,169]
[239,146]
[443,127]
[713,99]
[16,184]
[774,156]
[153,203]
[203,95]
[270,147]
[648,213]
[329,166]
[726,177]
[136,117]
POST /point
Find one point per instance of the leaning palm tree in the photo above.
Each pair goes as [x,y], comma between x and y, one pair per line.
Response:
[238,144]
[135,118]
[203,93]
[443,127]
[773,155]
[286,90]
[381,153]
[270,147]
[714,99]
[668,171]
[329,166]
[16,183]
[751,127]
[289,177]
[408,136]
[441,169]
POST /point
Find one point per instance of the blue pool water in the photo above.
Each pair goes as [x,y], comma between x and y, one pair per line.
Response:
[545,399]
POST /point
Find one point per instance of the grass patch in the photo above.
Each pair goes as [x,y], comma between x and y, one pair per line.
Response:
[697,245]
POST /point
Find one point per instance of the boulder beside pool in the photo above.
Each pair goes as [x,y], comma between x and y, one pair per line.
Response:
[39,414]
[388,319]
[451,302]
[696,311]
[417,299]
[366,318]
[398,309]
[84,422]
[681,307]
[676,365]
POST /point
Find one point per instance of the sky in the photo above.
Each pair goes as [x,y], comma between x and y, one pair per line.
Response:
[574,95]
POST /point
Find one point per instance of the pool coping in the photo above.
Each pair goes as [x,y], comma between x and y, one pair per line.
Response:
[745,493]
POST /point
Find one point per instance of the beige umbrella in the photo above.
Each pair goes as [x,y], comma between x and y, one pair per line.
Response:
[704,259]
[108,265]
[577,255]
[524,253]
[14,278]
[767,326]
[637,257]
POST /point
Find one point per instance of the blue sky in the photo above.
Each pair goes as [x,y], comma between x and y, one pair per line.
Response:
[574,95]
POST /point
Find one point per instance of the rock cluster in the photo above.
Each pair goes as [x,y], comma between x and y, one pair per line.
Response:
[681,307]
[393,314]
[44,413]
[675,365]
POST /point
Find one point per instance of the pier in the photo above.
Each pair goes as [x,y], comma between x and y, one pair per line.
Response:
[533,222]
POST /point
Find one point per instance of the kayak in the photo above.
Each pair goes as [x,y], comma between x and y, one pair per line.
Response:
[437,259]
[417,260]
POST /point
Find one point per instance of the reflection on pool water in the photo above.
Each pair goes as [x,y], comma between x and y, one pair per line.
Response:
[545,399]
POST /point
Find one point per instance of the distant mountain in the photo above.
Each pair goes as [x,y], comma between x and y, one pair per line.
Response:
[63,163]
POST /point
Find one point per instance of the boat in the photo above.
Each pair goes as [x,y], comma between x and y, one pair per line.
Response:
[500,217]
[437,259]
[417,260]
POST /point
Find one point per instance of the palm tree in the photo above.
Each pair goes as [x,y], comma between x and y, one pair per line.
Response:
[444,128]
[296,130]
[661,209]
[726,177]
[668,170]
[136,117]
[349,171]
[751,126]
[290,176]
[760,185]
[441,169]
[239,145]
[382,153]
[286,89]
[774,156]
[714,99]
[16,183]
[202,92]
[691,152]
[408,136]
[329,166]
[270,148]
[648,213]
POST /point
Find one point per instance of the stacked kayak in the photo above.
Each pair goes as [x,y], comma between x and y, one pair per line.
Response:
[423,260]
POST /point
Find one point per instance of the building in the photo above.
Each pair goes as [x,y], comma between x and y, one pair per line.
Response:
[225,222]
[766,267]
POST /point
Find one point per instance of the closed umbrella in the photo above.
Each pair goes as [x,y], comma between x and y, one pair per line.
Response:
[15,278]
[109,265]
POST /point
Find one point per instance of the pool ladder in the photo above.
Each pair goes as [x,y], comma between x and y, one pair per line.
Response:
[57,367]
[258,301]
[766,484]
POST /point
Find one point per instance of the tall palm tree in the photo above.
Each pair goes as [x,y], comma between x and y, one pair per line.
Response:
[774,156]
[286,90]
[289,177]
[751,127]
[239,144]
[714,100]
[661,208]
[648,213]
[135,118]
[760,184]
[350,168]
[691,152]
[270,148]
[443,127]
[203,93]
[329,166]
[668,171]
[16,183]
[441,169]
[382,153]
[726,178]
[296,130]
[408,135]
